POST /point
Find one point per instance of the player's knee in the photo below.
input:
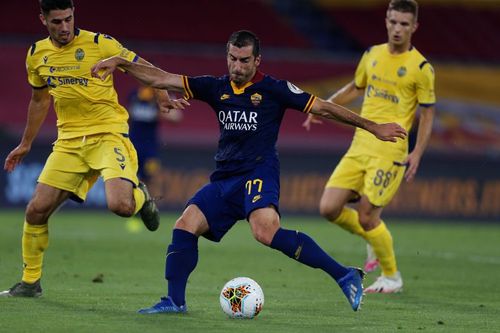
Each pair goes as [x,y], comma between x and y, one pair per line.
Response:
[182,223]
[187,223]
[329,211]
[263,233]
[37,212]
[124,208]
[367,220]
[263,237]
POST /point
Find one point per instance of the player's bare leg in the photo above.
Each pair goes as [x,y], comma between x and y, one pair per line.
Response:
[333,207]
[125,200]
[119,197]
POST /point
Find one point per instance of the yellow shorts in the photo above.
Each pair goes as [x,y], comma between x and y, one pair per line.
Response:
[75,164]
[374,177]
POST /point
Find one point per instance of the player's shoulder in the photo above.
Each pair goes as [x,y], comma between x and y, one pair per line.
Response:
[217,80]
[281,87]
[91,36]
[207,81]
[39,48]
[271,82]
[375,49]
[419,59]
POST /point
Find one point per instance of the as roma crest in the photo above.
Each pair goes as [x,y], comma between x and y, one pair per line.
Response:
[256,99]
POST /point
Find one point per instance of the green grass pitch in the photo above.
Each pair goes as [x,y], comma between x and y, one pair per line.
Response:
[451,273]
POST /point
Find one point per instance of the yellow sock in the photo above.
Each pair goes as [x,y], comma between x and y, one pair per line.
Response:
[140,198]
[349,220]
[35,241]
[381,240]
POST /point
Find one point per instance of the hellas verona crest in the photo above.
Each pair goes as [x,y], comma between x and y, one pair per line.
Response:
[79,54]
[402,71]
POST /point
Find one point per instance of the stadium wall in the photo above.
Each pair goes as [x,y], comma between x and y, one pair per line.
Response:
[445,188]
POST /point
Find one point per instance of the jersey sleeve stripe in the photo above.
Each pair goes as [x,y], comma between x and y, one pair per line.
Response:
[422,64]
[426,105]
[38,88]
[33,48]
[189,93]
[96,38]
[135,58]
[309,104]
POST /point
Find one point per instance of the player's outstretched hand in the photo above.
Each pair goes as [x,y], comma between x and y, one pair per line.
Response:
[15,157]
[389,132]
[104,68]
[311,119]
[166,104]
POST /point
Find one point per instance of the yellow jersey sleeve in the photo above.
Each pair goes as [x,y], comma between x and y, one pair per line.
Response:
[360,75]
[34,78]
[425,85]
[110,47]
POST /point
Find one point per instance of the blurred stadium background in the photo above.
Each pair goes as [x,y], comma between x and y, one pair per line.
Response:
[315,44]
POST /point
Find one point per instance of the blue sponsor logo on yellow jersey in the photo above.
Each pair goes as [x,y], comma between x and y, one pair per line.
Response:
[373,91]
[65,80]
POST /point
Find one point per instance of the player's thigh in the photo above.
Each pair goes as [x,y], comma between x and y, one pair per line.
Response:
[66,170]
[262,188]
[192,220]
[348,174]
[221,203]
[113,155]
[382,181]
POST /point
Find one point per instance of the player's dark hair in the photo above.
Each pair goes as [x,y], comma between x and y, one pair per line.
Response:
[244,38]
[404,6]
[47,5]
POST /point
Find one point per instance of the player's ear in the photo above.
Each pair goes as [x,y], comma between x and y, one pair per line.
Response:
[42,18]
[415,27]
[257,60]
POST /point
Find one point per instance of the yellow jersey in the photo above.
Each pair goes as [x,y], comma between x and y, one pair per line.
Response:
[84,105]
[395,85]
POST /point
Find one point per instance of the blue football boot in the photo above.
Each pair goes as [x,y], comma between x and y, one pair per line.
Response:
[166,305]
[352,287]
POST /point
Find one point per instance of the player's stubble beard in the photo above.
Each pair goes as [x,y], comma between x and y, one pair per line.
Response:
[240,78]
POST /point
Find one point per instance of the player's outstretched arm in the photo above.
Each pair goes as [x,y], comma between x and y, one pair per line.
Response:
[37,112]
[384,132]
[343,96]
[162,97]
[149,75]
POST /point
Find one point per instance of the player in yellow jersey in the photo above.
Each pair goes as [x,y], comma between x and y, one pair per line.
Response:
[395,80]
[92,134]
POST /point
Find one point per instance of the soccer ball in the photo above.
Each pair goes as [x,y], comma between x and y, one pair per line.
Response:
[241,297]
